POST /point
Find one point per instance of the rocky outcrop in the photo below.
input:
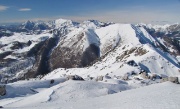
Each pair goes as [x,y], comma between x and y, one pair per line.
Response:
[164,79]
[3,55]
[125,77]
[99,78]
[173,79]
[2,90]
[20,45]
[75,77]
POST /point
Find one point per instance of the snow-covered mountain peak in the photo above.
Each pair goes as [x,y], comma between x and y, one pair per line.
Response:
[64,22]
[28,22]
[32,25]
[94,24]
[166,28]
[28,25]
[117,34]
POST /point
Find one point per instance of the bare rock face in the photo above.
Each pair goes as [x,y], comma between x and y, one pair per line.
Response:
[154,77]
[2,90]
[144,75]
[65,58]
[72,58]
[125,77]
[3,55]
[164,79]
[99,78]
[90,54]
[173,79]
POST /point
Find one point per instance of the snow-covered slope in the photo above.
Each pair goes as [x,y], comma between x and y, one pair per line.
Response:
[113,35]
[22,38]
[89,94]
[15,62]
[120,43]
[166,36]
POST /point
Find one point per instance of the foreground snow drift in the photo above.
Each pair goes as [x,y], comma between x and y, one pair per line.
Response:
[24,88]
[63,92]
[88,95]
[156,96]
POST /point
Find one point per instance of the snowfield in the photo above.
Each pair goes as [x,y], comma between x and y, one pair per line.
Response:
[88,95]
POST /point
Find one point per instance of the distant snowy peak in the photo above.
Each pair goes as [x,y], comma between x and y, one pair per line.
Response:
[159,28]
[63,22]
[175,27]
[155,26]
[112,35]
[93,24]
[28,25]
[31,25]
[166,29]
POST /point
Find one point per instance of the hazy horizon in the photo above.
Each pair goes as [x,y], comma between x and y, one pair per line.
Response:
[118,11]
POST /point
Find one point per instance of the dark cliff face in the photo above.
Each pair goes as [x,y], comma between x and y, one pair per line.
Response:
[64,58]
[41,66]
[91,53]
[70,58]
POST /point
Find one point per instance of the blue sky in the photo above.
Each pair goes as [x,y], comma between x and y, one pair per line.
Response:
[123,11]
